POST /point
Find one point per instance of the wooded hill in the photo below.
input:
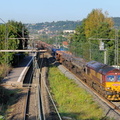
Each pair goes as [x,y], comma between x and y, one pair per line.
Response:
[62,25]
[54,26]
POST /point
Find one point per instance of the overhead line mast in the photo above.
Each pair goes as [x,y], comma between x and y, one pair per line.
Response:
[116,48]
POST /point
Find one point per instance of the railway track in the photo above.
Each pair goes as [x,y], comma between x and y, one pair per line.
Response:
[33,101]
[33,108]
[117,104]
[28,105]
[50,111]
[112,109]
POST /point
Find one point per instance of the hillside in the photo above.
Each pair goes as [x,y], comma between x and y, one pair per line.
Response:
[61,25]
[55,26]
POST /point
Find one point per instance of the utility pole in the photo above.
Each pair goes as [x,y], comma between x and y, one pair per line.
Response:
[116,46]
[90,49]
[105,51]
[6,42]
[23,41]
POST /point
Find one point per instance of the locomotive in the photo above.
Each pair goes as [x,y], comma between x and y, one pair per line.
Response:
[102,78]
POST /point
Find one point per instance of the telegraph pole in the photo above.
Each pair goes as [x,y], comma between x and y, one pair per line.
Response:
[116,46]
[101,47]
[6,42]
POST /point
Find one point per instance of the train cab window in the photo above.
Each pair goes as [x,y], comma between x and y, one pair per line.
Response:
[110,78]
[118,78]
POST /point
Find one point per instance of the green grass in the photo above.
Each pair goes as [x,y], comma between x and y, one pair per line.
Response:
[72,100]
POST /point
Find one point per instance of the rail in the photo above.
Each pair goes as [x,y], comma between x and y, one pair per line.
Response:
[27,99]
[39,104]
[27,102]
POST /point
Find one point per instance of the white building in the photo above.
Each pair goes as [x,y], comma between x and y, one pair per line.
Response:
[68,31]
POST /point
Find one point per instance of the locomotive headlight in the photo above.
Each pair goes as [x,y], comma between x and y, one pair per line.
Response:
[108,88]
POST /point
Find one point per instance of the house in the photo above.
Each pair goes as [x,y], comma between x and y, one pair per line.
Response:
[65,44]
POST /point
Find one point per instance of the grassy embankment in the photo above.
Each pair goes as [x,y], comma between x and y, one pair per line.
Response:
[72,100]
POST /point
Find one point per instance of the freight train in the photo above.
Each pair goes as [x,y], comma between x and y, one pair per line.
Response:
[102,78]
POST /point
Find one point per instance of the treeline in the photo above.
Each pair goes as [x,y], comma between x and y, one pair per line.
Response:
[11,35]
[55,26]
[95,29]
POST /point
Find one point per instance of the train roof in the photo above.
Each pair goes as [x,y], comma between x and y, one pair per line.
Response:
[106,69]
[100,67]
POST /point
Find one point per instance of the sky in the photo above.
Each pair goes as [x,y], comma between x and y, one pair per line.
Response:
[37,11]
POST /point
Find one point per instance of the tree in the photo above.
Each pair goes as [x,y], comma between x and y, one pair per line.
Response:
[95,20]
[77,40]
[85,41]
[19,31]
[11,35]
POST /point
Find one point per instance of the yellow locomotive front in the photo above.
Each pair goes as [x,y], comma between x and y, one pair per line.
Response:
[112,85]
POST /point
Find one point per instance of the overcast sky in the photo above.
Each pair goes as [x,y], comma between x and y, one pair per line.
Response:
[36,11]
